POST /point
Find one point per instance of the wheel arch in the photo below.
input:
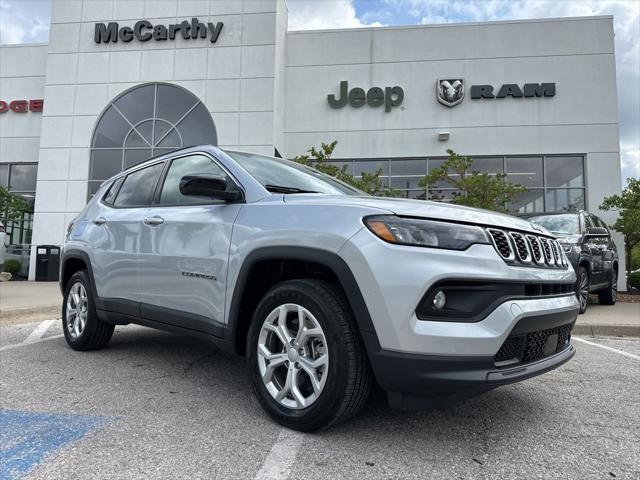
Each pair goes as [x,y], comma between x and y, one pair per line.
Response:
[584,262]
[73,261]
[239,320]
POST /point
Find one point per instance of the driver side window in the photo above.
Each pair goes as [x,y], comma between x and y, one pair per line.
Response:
[189,165]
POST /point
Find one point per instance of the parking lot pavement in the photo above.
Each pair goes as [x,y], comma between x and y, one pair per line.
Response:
[154,405]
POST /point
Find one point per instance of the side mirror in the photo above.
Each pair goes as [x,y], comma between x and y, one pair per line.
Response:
[597,232]
[208,185]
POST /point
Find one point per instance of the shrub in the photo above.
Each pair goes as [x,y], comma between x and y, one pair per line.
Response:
[634,280]
[12,266]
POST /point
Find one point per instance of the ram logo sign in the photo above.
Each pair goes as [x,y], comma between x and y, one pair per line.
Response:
[450,91]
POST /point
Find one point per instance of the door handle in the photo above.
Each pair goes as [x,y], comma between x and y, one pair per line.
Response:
[153,221]
[100,221]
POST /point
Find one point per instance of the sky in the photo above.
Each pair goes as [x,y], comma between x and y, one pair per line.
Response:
[23,21]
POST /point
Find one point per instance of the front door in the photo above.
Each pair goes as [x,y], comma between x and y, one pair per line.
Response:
[184,250]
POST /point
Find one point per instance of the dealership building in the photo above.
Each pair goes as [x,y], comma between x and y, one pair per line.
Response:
[121,81]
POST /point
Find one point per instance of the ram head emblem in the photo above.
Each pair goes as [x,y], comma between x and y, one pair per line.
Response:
[450,91]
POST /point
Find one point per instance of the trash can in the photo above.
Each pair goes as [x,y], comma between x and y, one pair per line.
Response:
[47,263]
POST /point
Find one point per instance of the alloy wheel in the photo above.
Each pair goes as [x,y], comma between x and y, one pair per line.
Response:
[77,310]
[293,357]
[583,292]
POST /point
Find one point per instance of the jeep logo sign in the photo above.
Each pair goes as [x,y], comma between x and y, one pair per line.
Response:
[375,97]
[144,30]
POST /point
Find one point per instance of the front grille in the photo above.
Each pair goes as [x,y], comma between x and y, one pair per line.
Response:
[533,346]
[517,248]
[546,248]
[502,243]
[536,251]
[521,247]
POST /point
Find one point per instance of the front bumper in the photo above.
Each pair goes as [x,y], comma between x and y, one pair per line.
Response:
[417,381]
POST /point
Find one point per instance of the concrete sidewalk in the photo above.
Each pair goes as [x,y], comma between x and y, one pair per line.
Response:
[611,320]
[22,302]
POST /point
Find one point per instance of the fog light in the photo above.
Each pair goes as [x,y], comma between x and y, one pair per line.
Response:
[439,299]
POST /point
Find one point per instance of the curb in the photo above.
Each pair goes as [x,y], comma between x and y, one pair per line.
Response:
[29,314]
[35,314]
[598,329]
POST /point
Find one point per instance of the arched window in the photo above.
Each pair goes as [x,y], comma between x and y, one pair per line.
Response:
[145,121]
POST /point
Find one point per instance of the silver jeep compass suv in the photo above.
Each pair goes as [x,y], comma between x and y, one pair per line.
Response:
[324,289]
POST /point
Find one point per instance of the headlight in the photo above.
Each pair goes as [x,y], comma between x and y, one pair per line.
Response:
[425,233]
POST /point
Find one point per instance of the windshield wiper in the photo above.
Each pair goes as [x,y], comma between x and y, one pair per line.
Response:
[283,189]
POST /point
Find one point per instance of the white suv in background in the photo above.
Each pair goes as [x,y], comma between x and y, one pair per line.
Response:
[325,290]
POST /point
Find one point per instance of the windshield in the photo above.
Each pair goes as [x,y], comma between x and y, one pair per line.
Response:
[566,224]
[283,176]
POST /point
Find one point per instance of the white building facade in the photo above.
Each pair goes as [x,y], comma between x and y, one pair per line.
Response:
[121,81]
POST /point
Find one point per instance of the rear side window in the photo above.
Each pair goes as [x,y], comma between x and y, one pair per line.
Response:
[138,187]
[111,193]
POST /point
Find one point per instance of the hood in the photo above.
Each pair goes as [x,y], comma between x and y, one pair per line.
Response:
[424,209]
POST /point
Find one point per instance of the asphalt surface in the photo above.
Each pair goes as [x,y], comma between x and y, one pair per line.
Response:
[155,405]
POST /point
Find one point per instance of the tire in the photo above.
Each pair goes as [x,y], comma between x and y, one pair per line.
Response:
[343,382]
[582,289]
[93,334]
[610,295]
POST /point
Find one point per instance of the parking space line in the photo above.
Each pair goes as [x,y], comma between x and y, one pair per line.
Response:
[34,337]
[281,457]
[614,350]
[38,331]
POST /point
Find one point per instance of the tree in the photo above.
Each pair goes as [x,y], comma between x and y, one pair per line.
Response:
[12,207]
[474,189]
[628,223]
[370,183]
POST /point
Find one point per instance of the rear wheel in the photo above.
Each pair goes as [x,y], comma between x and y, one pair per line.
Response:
[610,295]
[83,330]
[308,366]
[582,288]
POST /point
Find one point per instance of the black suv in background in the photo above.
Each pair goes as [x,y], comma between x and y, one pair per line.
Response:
[587,242]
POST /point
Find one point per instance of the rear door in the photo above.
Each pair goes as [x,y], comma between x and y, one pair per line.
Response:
[608,251]
[115,237]
[596,246]
[184,251]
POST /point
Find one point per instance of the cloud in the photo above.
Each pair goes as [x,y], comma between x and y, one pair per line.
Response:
[26,21]
[324,14]
[629,162]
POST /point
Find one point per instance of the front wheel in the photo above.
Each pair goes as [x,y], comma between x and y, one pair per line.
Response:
[308,366]
[582,289]
[610,295]
[83,330]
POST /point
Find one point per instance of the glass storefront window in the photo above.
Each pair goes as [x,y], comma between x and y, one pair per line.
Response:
[145,121]
[408,167]
[23,177]
[528,202]
[371,166]
[406,183]
[4,175]
[488,165]
[564,171]
[554,182]
[527,171]
[563,199]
